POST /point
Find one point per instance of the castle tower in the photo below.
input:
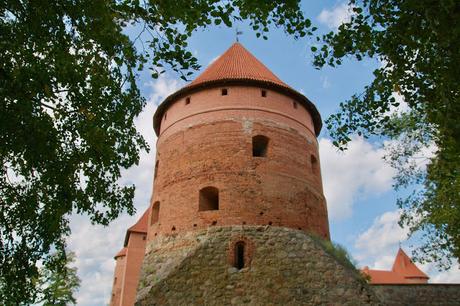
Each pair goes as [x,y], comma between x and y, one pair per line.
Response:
[237,146]
[238,215]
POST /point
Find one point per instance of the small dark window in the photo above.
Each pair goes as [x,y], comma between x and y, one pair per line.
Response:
[156,169]
[166,115]
[314,165]
[259,146]
[209,199]
[239,255]
[263,93]
[224,91]
[155,213]
[187,101]
[294,104]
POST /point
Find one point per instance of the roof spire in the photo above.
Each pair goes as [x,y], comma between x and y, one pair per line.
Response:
[238,33]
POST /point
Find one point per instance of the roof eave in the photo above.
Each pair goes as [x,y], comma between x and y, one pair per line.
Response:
[187,90]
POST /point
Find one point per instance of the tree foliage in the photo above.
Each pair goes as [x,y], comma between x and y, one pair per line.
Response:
[58,281]
[69,98]
[418,44]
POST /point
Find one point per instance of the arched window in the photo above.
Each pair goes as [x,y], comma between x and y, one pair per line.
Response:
[209,199]
[224,91]
[156,169]
[155,213]
[259,146]
[314,164]
[187,101]
[239,255]
[263,93]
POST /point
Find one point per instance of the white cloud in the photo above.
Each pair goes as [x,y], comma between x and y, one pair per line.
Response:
[451,276]
[213,60]
[325,83]
[377,247]
[351,175]
[381,239]
[94,245]
[334,17]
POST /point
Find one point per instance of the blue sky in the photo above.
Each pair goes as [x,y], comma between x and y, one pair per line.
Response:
[362,211]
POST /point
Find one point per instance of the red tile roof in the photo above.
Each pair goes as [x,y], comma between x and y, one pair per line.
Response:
[402,272]
[404,266]
[237,63]
[384,277]
[237,66]
[121,253]
[140,226]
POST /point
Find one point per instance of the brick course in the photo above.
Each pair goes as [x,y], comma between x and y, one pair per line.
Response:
[209,143]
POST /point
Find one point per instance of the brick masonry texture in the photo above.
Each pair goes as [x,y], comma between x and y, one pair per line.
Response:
[419,294]
[286,267]
[208,142]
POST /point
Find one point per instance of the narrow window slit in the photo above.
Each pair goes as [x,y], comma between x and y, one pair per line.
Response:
[155,213]
[156,169]
[314,164]
[239,255]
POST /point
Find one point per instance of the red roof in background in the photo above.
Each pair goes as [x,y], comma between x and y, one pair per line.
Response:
[121,253]
[140,226]
[384,277]
[404,266]
[401,273]
[237,63]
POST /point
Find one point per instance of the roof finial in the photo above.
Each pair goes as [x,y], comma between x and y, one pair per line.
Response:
[238,33]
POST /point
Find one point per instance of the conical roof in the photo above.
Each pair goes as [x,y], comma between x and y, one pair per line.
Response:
[404,266]
[121,253]
[237,66]
[139,227]
[237,63]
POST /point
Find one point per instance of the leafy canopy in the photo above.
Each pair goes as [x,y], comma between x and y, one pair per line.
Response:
[418,44]
[58,280]
[69,98]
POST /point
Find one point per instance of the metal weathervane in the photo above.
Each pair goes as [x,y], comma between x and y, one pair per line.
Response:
[238,33]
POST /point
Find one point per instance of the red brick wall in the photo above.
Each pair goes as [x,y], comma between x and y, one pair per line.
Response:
[134,257]
[118,281]
[209,143]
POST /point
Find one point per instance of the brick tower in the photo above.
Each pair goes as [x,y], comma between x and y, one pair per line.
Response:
[238,195]
[237,146]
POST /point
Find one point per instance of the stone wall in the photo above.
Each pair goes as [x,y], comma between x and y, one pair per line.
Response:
[419,294]
[282,267]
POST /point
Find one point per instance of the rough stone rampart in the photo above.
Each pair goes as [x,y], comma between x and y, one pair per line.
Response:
[419,294]
[282,267]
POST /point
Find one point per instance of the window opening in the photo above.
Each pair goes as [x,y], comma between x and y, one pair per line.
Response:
[264,93]
[156,169]
[224,91]
[259,146]
[187,101]
[166,114]
[314,165]
[239,255]
[209,199]
[294,104]
[155,213]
